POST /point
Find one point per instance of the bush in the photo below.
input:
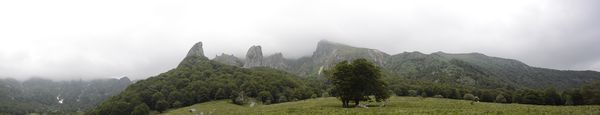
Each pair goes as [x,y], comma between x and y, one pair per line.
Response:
[413,93]
[469,96]
[500,99]
[265,96]
[282,98]
[177,104]
[141,109]
[161,105]
[423,94]
[240,99]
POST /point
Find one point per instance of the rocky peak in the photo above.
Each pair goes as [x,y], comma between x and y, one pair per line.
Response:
[229,60]
[275,61]
[254,57]
[196,50]
[329,53]
[325,47]
[124,79]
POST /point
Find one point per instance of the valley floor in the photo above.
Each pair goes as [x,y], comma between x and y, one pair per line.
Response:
[396,105]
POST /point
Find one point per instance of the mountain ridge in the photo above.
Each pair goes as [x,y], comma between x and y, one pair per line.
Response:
[476,65]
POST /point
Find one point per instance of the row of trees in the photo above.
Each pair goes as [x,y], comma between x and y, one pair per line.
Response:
[359,79]
[587,94]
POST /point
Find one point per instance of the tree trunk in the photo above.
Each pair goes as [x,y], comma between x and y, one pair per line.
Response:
[347,101]
[344,103]
[356,102]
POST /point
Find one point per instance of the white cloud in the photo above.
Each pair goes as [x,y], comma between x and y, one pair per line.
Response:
[66,39]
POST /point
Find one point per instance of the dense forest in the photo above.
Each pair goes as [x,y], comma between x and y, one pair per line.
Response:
[38,95]
[198,80]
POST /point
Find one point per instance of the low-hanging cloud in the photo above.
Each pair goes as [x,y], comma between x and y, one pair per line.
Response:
[72,39]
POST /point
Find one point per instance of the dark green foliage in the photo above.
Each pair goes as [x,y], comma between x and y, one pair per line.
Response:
[40,95]
[141,109]
[423,94]
[357,81]
[500,99]
[469,96]
[239,99]
[282,98]
[161,105]
[591,93]
[569,100]
[198,79]
[575,95]
[552,97]
[412,93]
[265,96]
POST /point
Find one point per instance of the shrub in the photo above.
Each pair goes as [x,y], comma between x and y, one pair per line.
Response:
[265,96]
[282,98]
[141,109]
[500,99]
[413,93]
[469,96]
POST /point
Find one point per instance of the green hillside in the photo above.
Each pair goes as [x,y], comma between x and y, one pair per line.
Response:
[396,105]
[200,80]
[38,95]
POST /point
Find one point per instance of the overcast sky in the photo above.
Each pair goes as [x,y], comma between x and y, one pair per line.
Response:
[73,39]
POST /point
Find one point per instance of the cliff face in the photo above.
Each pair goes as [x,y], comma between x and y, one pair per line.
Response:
[329,53]
[196,50]
[254,57]
[472,69]
[276,61]
[229,60]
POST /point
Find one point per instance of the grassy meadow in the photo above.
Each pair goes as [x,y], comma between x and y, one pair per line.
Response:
[396,105]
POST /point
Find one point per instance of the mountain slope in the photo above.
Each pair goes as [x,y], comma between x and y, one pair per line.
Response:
[471,69]
[46,96]
[198,79]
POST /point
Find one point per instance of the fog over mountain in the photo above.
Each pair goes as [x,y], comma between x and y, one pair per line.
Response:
[71,39]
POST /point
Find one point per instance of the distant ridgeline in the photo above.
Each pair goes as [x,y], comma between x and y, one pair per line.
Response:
[39,95]
[471,69]
[275,79]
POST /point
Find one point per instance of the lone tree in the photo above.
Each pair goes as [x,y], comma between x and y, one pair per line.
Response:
[357,81]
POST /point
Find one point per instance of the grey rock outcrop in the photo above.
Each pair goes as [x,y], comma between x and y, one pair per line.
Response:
[196,50]
[229,60]
[328,53]
[276,61]
[254,57]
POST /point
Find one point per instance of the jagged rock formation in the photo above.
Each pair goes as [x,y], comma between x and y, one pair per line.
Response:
[473,69]
[254,57]
[276,61]
[196,50]
[229,60]
[329,53]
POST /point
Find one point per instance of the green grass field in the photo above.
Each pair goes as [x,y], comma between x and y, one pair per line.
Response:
[396,105]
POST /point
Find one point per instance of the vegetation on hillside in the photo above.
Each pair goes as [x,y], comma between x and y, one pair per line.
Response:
[471,77]
[38,95]
[198,80]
